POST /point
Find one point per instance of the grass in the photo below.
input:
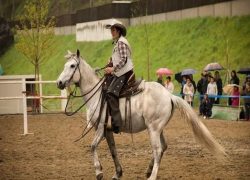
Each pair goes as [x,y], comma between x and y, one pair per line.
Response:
[190,43]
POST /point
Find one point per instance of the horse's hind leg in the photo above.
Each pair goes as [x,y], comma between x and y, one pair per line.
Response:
[111,144]
[98,168]
[163,147]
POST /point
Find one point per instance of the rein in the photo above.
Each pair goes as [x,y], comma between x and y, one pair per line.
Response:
[85,133]
[72,94]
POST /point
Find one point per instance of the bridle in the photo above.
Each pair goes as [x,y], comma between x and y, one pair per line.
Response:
[73,93]
[77,67]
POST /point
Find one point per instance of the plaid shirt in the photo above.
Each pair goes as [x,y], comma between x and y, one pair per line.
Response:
[122,48]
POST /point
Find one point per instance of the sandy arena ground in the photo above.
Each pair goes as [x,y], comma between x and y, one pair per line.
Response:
[50,152]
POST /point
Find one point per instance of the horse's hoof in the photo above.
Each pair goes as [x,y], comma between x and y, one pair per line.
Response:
[148,174]
[99,176]
[117,176]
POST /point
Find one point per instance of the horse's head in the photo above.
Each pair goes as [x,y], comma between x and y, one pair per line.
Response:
[71,72]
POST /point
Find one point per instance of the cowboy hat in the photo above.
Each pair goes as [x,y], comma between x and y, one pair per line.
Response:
[117,24]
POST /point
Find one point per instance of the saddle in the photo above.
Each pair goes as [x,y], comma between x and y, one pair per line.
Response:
[129,89]
[132,87]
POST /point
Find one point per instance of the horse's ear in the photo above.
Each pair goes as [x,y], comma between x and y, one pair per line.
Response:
[69,52]
[67,56]
[78,53]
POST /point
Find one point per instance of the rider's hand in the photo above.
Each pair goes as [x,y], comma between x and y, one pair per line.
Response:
[109,70]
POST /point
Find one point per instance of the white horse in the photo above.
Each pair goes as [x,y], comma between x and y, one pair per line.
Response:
[152,109]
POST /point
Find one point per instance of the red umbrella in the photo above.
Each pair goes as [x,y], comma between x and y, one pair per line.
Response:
[164,71]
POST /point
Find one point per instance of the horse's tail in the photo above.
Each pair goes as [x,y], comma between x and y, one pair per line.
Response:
[200,131]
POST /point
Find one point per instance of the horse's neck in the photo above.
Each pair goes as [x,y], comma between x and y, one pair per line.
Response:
[88,81]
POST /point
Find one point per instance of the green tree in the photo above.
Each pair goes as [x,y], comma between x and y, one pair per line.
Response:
[35,34]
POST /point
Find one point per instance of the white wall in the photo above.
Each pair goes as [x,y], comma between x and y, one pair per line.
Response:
[95,31]
[66,30]
[14,106]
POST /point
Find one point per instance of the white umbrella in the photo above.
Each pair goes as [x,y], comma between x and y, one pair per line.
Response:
[188,72]
[213,66]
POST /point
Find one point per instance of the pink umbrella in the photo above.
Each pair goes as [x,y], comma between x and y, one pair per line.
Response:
[164,71]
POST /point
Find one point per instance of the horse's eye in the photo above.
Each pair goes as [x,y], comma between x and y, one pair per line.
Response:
[72,66]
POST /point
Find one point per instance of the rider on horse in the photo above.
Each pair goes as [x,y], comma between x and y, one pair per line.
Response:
[120,68]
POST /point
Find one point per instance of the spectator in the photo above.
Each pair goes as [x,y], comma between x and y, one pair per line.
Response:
[245,82]
[206,107]
[246,92]
[236,99]
[188,91]
[202,85]
[242,113]
[184,79]
[219,85]
[194,85]
[159,79]
[212,89]
[169,85]
[205,83]
[193,82]
[234,80]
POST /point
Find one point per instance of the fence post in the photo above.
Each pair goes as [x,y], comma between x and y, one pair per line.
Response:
[41,94]
[25,120]
[64,101]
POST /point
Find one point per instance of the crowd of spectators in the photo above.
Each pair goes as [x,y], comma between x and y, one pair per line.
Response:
[210,90]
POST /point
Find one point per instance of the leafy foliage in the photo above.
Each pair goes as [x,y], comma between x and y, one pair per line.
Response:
[35,34]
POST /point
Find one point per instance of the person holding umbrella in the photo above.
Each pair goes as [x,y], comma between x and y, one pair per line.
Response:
[183,82]
[169,85]
[186,74]
[234,80]
[212,89]
[162,71]
[188,91]
[159,79]
[218,81]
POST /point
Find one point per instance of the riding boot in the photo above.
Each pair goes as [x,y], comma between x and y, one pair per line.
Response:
[113,103]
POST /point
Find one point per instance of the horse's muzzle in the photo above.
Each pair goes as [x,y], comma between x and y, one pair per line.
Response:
[60,85]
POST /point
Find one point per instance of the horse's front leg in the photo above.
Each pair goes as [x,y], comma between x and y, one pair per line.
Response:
[112,148]
[98,137]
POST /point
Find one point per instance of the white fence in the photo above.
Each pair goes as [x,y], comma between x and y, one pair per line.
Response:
[24,98]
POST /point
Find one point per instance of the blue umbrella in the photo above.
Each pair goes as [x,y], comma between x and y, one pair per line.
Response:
[188,72]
